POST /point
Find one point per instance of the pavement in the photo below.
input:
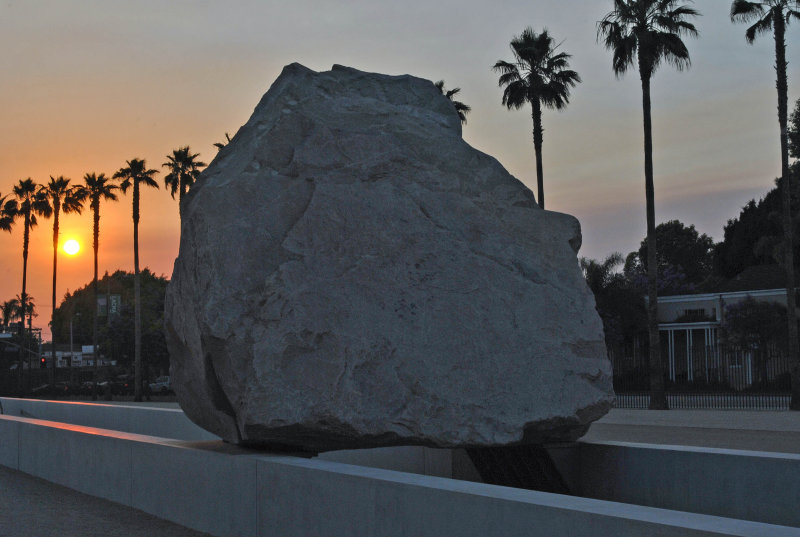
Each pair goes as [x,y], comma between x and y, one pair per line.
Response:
[32,507]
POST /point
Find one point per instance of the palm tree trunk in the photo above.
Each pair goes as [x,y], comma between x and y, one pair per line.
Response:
[658,397]
[137,326]
[788,224]
[23,297]
[96,235]
[52,375]
[536,114]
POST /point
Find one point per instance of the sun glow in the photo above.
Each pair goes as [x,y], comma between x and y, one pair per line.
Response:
[72,247]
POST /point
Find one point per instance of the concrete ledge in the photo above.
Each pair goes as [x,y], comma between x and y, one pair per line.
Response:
[153,421]
[173,423]
[228,491]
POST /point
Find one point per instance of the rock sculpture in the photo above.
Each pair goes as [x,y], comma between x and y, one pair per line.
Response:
[353,274]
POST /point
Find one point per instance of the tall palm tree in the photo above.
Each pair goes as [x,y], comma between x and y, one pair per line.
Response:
[775,15]
[30,202]
[461,109]
[183,171]
[97,188]
[68,198]
[539,75]
[135,174]
[646,33]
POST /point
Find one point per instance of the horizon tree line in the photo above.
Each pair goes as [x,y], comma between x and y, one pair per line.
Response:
[29,202]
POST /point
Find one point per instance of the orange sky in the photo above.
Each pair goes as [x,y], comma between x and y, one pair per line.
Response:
[88,84]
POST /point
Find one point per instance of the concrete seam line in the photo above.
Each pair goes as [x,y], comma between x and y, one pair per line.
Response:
[258,503]
[130,476]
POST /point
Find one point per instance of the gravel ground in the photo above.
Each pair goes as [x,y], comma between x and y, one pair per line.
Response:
[32,507]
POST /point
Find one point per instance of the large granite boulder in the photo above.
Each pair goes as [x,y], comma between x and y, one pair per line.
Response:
[353,274]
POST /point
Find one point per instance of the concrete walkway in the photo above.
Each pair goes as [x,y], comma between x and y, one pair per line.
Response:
[756,430]
[32,507]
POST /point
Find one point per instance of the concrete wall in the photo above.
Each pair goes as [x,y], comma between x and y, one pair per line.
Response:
[227,491]
[151,421]
[752,485]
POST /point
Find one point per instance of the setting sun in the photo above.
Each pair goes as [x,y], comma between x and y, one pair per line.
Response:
[72,247]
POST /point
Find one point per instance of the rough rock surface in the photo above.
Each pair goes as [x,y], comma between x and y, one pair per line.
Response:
[353,274]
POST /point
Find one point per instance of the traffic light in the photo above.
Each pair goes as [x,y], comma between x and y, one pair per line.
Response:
[43,363]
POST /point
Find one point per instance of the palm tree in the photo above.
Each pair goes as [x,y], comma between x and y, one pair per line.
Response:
[136,173]
[183,171]
[97,187]
[461,109]
[30,202]
[775,15]
[220,145]
[645,33]
[540,76]
[68,198]
[20,313]
[28,311]
[9,309]
[6,213]
[601,275]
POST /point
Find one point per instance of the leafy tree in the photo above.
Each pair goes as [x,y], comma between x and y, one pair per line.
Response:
[97,188]
[755,326]
[538,75]
[794,131]
[683,249]
[671,279]
[755,237]
[775,15]
[135,174]
[619,303]
[461,109]
[61,197]
[646,33]
[116,332]
[184,170]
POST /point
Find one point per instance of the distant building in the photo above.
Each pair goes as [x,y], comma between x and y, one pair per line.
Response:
[690,327]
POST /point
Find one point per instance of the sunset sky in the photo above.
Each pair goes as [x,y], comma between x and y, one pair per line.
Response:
[88,84]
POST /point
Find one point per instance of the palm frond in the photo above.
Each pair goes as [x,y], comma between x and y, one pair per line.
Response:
[762,26]
[745,11]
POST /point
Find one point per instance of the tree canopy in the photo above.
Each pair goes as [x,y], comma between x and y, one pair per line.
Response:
[683,249]
[755,236]
[116,332]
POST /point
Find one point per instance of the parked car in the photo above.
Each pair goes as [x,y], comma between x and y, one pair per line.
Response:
[161,385]
[59,388]
[123,385]
[85,387]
